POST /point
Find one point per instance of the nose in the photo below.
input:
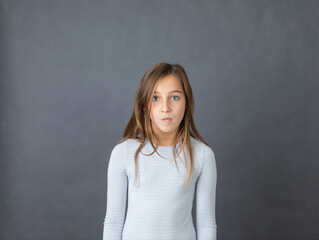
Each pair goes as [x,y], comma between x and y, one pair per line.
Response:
[165,106]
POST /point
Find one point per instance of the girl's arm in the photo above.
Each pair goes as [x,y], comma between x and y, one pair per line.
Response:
[206,228]
[116,194]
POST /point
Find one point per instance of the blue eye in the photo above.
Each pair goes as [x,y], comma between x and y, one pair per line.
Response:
[177,97]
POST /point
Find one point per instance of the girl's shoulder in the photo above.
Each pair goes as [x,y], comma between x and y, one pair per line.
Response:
[196,143]
[128,144]
[200,146]
[132,142]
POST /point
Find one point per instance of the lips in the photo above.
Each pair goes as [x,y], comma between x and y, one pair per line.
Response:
[166,119]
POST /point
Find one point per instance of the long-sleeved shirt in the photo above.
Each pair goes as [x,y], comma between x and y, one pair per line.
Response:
[158,208]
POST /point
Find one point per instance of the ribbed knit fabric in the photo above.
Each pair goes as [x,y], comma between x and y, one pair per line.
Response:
[158,208]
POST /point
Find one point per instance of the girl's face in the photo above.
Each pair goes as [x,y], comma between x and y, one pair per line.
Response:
[168,101]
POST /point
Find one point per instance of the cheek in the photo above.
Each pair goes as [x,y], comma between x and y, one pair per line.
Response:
[152,114]
[153,110]
[181,114]
[181,109]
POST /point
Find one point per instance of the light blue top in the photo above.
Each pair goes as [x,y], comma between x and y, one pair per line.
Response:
[158,208]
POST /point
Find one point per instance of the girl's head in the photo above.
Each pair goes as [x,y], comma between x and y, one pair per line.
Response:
[167,108]
[154,101]
[163,92]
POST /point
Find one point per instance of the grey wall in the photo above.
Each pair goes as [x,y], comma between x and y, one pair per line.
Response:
[69,72]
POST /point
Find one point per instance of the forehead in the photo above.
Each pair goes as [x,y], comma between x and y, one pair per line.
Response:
[168,84]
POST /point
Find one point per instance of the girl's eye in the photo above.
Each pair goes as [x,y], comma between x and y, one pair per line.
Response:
[177,98]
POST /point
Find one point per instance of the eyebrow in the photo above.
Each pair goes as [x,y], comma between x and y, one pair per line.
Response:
[171,91]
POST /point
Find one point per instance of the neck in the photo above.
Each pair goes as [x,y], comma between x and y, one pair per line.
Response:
[166,141]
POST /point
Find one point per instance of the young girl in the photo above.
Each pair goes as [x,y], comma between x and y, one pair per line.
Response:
[148,169]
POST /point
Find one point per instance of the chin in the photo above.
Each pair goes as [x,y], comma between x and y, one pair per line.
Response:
[168,131]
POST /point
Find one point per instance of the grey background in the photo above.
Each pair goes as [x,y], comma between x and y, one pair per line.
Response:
[69,72]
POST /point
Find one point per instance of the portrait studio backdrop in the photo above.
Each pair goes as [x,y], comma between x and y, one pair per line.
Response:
[69,72]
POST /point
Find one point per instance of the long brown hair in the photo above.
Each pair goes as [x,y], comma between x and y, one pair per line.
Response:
[139,126]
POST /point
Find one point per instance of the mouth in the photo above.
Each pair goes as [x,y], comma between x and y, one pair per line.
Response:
[166,119]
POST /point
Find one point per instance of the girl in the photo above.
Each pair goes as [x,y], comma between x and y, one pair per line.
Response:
[160,199]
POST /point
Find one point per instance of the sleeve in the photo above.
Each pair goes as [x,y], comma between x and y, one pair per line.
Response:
[206,228]
[116,194]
